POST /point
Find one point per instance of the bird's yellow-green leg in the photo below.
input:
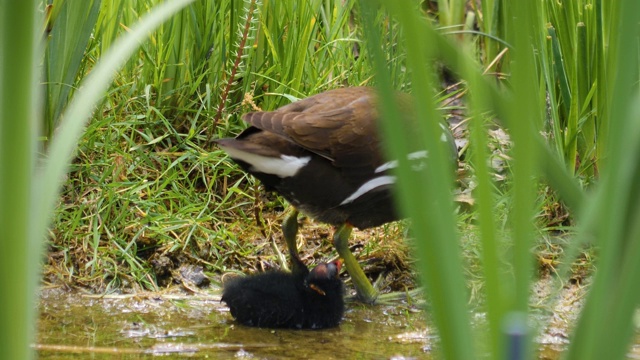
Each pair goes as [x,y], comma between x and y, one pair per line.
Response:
[289,232]
[365,291]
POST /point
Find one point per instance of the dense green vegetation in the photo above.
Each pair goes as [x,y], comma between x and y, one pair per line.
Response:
[146,185]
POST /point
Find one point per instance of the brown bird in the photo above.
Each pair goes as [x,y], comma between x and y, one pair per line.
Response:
[323,155]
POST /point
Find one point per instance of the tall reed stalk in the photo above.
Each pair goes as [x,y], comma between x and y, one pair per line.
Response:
[20,244]
[424,195]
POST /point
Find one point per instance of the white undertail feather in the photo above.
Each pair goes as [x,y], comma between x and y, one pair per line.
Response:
[283,166]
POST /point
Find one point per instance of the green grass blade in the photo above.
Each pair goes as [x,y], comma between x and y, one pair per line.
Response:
[560,73]
[451,12]
[605,326]
[489,24]
[496,279]
[173,39]
[602,78]
[110,20]
[18,99]
[584,86]
[524,113]
[72,28]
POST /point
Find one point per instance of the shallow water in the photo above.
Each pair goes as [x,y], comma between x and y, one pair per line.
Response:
[177,325]
[73,326]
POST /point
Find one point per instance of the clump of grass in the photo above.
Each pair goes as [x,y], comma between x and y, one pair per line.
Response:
[146,182]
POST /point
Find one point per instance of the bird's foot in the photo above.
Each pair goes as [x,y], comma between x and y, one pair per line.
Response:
[413,295]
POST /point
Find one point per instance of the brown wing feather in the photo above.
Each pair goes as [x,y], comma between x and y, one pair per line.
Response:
[338,124]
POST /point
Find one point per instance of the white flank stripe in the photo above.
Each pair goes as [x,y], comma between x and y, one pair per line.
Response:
[422,154]
[368,186]
[284,166]
[386,166]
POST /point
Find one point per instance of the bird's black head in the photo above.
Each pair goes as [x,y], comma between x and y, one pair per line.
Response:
[325,278]
[323,296]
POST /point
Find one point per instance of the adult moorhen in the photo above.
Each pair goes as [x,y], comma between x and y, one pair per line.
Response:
[323,155]
[302,299]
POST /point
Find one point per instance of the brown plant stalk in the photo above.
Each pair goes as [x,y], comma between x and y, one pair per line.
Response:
[234,69]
